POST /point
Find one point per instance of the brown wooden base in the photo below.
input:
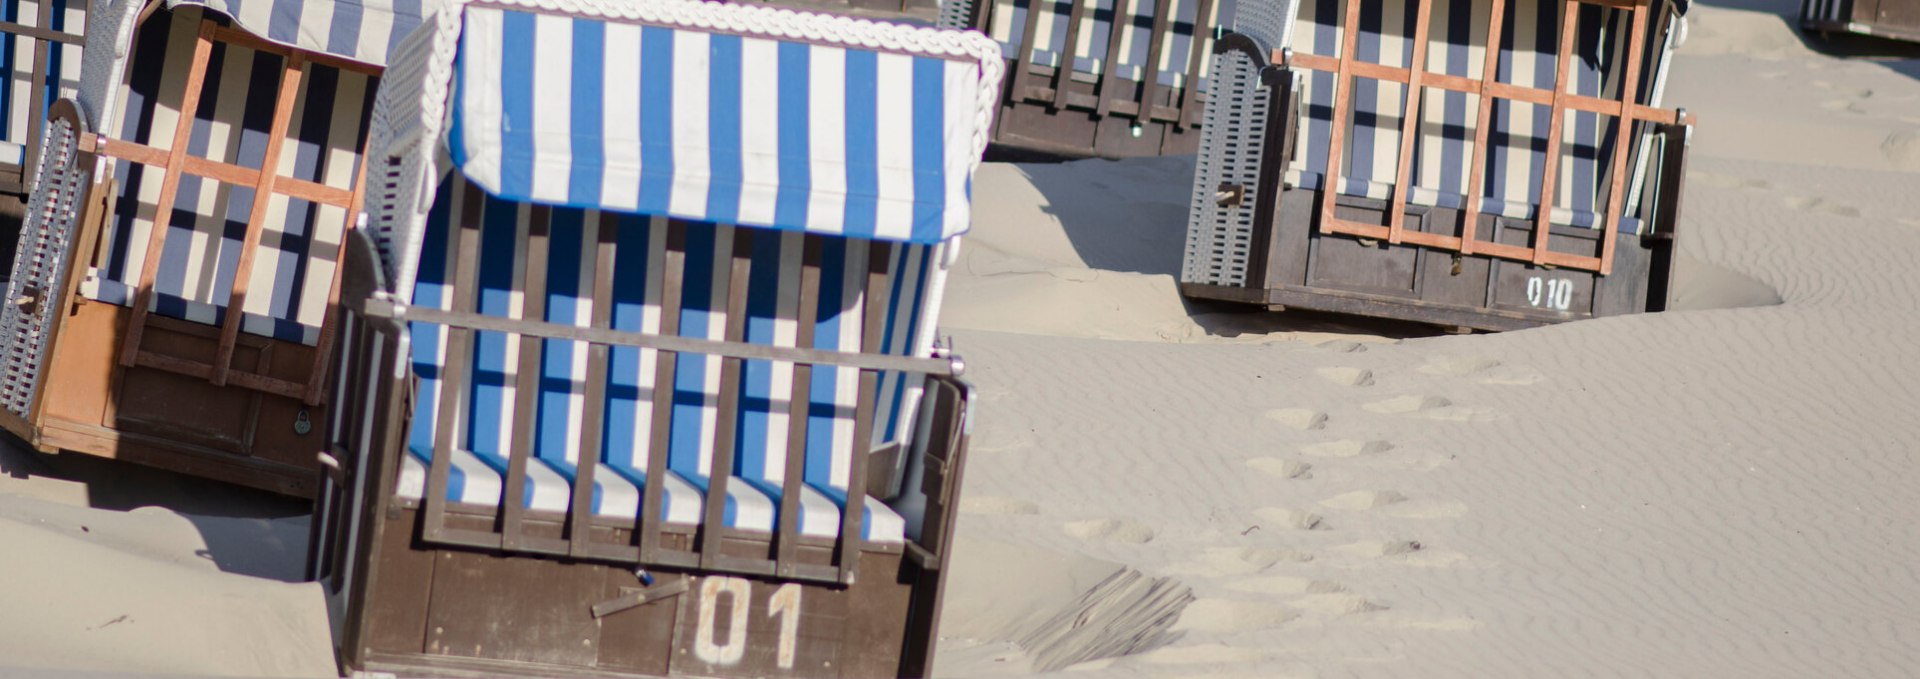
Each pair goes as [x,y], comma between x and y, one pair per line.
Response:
[419,609]
[1909,32]
[1069,123]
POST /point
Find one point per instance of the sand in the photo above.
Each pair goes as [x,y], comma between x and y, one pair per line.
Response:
[1721,490]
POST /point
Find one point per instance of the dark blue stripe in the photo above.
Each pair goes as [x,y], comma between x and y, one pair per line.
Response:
[429,290]
[790,203]
[566,232]
[623,365]
[723,129]
[516,103]
[757,400]
[929,148]
[697,313]
[863,143]
[656,119]
[589,151]
[343,35]
[821,410]
[498,245]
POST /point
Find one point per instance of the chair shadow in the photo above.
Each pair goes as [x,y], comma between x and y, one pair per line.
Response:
[247,531]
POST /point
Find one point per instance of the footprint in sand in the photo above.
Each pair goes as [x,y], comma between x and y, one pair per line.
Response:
[1291,518]
[1347,448]
[1223,561]
[1298,418]
[1362,500]
[1352,377]
[1285,469]
[1381,548]
[1455,366]
[1231,615]
[1111,530]
[1342,346]
[1511,375]
[1286,584]
[1721,181]
[993,504]
[1820,205]
[1335,603]
[1432,408]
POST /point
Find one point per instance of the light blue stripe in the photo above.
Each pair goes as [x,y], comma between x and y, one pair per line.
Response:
[757,400]
[833,311]
[697,313]
[429,290]
[498,247]
[557,386]
[517,66]
[723,129]
[589,151]
[863,143]
[790,203]
[656,119]
[624,399]
[929,148]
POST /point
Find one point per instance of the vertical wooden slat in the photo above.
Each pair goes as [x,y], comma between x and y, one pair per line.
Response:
[1064,74]
[257,217]
[322,348]
[1562,65]
[1629,96]
[169,189]
[1150,80]
[727,421]
[1409,125]
[593,420]
[36,115]
[455,373]
[799,398]
[1023,57]
[853,515]
[1196,59]
[1109,73]
[1475,170]
[1337,136]
[527,374]
[673,269]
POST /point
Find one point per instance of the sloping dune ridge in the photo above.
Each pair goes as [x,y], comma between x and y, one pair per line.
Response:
[1158,488]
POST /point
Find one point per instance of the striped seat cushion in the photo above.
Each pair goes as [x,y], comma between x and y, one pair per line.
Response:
[194,275]
[488,420]
[1009,22]
[1442,153]
[60,80]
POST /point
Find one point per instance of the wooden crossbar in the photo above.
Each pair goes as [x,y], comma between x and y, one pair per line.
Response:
[1417,78]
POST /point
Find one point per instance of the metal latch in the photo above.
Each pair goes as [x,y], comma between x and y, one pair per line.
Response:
[29,300]
[1229,195]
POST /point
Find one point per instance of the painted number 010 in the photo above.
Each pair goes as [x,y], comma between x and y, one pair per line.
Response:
[1552,293]
[784,604]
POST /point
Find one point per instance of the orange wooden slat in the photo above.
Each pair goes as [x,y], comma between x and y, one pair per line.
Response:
[169,190]
[1629,91]
[1342,92]
[1556,125]
[1476,168]
[1409,125]
[330,324]
[257,219]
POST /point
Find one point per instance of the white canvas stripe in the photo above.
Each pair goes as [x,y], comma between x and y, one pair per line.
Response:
[894,124]
[620,118]
[552,107]
[759,129]
[691,162]
[827,121]
[961,97]
[480,106]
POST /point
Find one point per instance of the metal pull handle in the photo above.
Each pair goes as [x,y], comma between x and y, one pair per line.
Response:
[29,301]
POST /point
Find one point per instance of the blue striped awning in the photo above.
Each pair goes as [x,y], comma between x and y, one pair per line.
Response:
[361,30]
[708,126]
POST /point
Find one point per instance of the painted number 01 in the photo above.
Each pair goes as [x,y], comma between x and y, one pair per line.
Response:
[1552,293]
[784,604]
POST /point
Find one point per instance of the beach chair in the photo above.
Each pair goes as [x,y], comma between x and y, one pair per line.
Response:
[1533,183]
[1135,85]
[1890,19]
[638,372]
[40,54]
[171,302]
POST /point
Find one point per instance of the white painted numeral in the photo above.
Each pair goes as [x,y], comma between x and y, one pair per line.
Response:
[1553,293]
[785,604]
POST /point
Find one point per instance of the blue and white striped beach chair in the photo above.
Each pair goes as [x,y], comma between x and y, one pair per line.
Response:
[655,285]
[40,53]
[218,148]
[1492,213]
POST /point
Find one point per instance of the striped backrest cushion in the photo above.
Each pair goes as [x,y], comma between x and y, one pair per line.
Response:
[633,398]
[294,267]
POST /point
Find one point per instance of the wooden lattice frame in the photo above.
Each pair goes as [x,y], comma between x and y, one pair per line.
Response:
[43,36]
[1111,98]
[176,161]
[1625,109]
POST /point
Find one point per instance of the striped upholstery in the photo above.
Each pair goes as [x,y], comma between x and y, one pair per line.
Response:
[361,30]
[201,252]
[1443,151]
[479,462]
[16,59]
[1009,22]
[719,128]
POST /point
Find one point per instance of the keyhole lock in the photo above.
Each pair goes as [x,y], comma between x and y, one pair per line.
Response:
[301,423]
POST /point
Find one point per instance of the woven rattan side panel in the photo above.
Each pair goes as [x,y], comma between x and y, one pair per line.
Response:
[1220,231]
[39,268]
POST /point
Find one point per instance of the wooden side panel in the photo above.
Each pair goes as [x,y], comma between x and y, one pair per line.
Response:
[398,584]
[634,640]
[739,627]
[516,609]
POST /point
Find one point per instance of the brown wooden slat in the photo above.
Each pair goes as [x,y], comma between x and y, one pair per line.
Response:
[257,220]
[1150,73]
[1108,94]
[726,427]
[169,190]
[1556,125]
[1342,93]
[456,375]
[1476,168]
[227,173]
[38,99]
[1500,90]
[594,415]
[853,515]
[323,354]
[238,378]
[673,271]
[1063,73]
[807,317]
[526,392]
[38,33]
[1196,59]
[1409,124]
[1629,91]
[1022,68]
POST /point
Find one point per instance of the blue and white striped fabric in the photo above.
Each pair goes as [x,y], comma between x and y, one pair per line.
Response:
[487,423]
[293,270]
[710,127]
[1009,24]
[362,30]
[1516,153]
[61,78]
